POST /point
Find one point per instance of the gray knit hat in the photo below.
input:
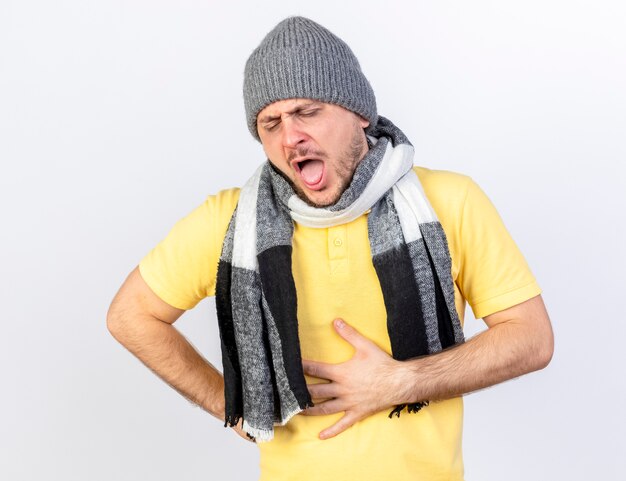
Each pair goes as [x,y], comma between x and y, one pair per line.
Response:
[301,59]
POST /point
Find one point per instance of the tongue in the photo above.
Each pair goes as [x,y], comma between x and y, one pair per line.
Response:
[312,171]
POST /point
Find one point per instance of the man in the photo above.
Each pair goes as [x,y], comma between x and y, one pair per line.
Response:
[340,261]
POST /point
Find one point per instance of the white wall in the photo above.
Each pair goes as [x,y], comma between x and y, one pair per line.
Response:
[119,117]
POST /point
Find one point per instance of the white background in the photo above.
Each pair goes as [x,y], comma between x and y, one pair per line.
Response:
[118,117]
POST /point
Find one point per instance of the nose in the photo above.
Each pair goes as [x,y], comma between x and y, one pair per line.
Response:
[293,134]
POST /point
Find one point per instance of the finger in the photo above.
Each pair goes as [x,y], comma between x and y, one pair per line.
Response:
[351,335]
[245,435]
[320,370]
[331,406]
[241,433]
[323,390]
[340,426]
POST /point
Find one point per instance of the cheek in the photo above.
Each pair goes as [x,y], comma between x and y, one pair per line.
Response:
[332,138]
[273,152]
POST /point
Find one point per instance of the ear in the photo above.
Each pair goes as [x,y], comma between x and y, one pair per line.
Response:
[363,122]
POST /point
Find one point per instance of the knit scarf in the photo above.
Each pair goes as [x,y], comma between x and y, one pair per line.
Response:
[256,295]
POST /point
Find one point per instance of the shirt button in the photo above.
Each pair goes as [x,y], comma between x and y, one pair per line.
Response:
[338,242]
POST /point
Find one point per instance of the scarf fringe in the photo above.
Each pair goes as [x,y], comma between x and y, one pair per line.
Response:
[231,421]
[260,435]
[411,408]
[263,435]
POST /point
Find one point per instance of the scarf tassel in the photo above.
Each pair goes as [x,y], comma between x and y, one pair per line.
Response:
[411,408]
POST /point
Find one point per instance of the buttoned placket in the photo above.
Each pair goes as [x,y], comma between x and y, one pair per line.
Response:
[338,252]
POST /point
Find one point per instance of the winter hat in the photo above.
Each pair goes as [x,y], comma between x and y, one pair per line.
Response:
[301,59]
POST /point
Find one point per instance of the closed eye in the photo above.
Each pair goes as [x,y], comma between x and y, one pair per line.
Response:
[271,126]
[308,112]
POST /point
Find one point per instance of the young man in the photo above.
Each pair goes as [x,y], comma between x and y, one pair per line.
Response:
[341,273]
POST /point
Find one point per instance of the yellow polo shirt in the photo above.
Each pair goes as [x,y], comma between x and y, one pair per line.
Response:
[334,277]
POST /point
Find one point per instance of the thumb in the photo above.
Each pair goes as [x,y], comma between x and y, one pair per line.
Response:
[350,334]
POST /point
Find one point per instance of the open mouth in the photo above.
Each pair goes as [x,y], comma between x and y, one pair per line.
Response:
[311,171]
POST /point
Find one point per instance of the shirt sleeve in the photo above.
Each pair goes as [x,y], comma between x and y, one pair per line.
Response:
[182,268]
[493,274]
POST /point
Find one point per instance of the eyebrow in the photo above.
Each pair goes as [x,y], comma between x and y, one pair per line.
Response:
[269,118]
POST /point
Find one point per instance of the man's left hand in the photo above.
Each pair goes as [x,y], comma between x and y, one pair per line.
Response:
[519,340]
[361,386]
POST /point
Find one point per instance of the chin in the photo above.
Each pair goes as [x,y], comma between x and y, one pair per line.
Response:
[320,200]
